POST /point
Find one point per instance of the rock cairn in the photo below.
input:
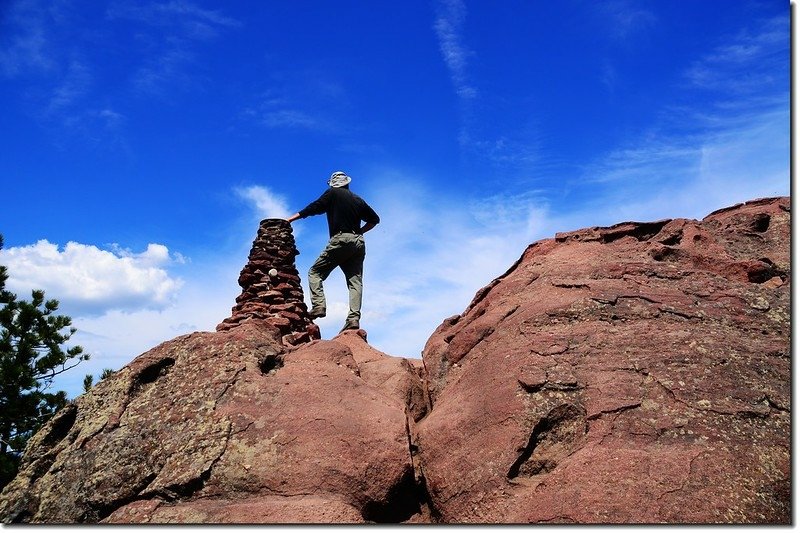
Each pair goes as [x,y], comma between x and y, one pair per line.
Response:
[271,289]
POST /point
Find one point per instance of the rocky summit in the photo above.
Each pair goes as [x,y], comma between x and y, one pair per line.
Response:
[638,373]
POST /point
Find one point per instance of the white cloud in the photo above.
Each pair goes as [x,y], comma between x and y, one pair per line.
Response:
[123,302]
[89,281]
[266,203]
[115,337]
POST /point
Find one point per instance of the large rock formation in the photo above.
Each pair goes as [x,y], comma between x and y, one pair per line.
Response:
[228,427]
[632,374]
[637,373]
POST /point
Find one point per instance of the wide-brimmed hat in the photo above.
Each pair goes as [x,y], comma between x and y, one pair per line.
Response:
[339,179]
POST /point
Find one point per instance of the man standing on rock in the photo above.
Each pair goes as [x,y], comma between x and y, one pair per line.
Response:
[346,249]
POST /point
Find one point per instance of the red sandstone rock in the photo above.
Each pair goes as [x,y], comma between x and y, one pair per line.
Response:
[632,374]
[228,427]
[396,376]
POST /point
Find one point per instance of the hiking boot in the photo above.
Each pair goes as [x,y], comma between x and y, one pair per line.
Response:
[350,324]
[317,312]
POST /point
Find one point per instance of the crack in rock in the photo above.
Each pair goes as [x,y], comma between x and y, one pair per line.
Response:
[552,438]
[616,410]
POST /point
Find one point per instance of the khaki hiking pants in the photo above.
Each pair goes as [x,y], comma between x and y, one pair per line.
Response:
[346,251]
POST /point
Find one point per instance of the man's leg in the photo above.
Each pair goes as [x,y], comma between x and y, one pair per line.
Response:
[318,273]
[353,268]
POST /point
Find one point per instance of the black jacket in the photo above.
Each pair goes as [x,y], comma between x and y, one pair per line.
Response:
[344,208]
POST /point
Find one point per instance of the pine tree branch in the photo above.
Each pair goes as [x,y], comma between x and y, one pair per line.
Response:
[50,375]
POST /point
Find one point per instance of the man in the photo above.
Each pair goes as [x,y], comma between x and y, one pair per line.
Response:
[346,249]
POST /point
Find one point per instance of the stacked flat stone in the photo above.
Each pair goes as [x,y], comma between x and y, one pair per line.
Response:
[271,289]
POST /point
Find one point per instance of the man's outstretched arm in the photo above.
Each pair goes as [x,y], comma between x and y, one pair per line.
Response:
[317,207]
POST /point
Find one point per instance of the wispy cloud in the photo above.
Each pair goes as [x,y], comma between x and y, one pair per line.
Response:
[26,30]
[449,30]
[192,20]
[507,152]
[61,65]
[306,99]
[627,17]
[41,51]
[170,32]
[73,86]
[625,23]
[110,118]
[167,67]
[91,281]
[695,175]
[755,59]
[277,117]
[727,142]
[649,161]
[512,150]
[266,203]
[675,174]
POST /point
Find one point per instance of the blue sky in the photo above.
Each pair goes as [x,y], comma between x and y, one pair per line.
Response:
[143,141]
